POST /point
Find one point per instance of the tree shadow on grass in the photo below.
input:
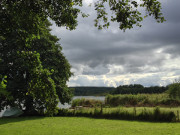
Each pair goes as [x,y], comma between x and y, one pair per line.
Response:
[6,120]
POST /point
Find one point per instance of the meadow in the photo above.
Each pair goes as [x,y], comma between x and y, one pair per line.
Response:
[146,107]
[83,126]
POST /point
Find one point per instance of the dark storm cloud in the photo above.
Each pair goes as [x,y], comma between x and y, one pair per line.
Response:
[171,11]
[167,33]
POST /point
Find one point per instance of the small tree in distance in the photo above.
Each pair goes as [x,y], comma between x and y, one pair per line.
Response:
[174,90]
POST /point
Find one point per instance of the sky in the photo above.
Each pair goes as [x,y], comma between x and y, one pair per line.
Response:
[149,55]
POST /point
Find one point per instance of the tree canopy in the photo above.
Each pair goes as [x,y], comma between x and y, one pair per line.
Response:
[65,12]
[33,69]
[33,62]
[127,12]
[137,89]
[174,90]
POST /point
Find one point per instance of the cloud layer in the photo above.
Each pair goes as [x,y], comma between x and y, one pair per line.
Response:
[148,55]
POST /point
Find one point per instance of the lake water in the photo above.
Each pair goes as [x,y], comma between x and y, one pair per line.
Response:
[66,105]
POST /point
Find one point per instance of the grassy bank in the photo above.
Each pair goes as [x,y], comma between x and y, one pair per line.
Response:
[86,102]
[149,100]
[140,109]
[83,126]
[123,113]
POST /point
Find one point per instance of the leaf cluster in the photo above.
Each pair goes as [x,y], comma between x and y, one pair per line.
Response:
[126,12]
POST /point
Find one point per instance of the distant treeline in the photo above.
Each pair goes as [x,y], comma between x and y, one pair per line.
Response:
[138,89]
[92,91]
[122,89]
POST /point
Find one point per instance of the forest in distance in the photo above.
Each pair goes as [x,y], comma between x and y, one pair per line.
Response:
[122,89]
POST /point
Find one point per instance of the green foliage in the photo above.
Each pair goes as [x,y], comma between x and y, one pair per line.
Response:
[4,94]
[38,73]
[3,85]
[86,102]
[174,90]
[122,89]
[65,12]
[41,86]
[155,114]
[91,91]
[126,12]
[138,89]
[141,100]
[31,58]
[52,59]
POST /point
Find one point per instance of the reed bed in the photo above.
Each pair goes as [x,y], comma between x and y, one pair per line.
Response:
[123,113]
[141,100]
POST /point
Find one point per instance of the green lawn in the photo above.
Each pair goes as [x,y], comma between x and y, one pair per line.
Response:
[83,126]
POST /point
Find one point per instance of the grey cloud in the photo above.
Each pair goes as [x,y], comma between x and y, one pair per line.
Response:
[173,51]
[85,81]
[171,10]
[94,51]
[99,70]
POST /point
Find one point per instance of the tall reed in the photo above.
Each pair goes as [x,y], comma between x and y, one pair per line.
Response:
[141,100]
[120,113]
[86,102]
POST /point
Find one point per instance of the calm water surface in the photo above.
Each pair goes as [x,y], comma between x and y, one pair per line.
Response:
[66,105]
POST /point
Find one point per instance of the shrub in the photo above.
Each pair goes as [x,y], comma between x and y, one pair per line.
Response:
[174,90]
[141,100]
[86,102]
[170,102]
[145,115]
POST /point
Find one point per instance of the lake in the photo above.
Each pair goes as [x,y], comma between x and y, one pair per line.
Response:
[66,105]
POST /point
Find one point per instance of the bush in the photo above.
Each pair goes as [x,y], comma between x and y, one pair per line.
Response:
[149,100]
[174,90]
[145,115]
[86,102]
[170,102]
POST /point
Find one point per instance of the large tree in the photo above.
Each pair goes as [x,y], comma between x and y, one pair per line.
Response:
[30,57]
[32,60]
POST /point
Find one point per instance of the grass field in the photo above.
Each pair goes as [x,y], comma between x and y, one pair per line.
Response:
[83,126]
